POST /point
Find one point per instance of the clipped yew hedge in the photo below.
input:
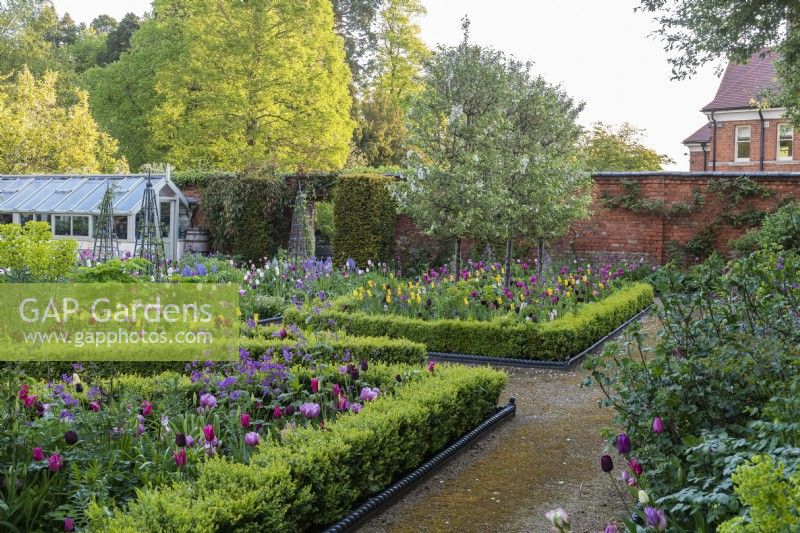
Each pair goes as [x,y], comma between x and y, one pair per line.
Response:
[364,216]
[557,340]
[315,477]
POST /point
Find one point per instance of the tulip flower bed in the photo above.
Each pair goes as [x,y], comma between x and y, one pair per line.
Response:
[315,438]
[503,336]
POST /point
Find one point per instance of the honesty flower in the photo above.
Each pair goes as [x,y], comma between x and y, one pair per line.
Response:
[623,443]
[656,518]
[658,425]
[38,454]
[54,462]
[251,439]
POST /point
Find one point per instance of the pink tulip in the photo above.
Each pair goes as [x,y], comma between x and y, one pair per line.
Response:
[38,454]
[180,457]
[314,385]
[658,425]
[208,432]
[245,420]
[54,462]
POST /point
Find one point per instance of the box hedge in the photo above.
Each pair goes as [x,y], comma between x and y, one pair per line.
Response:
[315,477]
[322,346]
[557,340]
[364,216]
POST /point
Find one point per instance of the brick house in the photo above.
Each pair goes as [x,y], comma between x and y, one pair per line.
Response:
[740,135]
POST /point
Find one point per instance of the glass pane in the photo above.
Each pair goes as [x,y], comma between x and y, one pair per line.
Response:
[743,150]
[786,131]
[785,150]
[121,227]
[166,217]
[80,226]
[24,218]
[62,225]
[743,133]
[6,218]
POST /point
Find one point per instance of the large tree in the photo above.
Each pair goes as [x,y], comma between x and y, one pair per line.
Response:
[37,134]
[354,21]
[447,187]
[253,82]
[620,149]
[696,32]
[399,56]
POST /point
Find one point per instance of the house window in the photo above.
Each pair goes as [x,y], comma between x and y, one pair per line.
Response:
[742,143]
[71,226]
[24,218]
[785,141]
[6,218]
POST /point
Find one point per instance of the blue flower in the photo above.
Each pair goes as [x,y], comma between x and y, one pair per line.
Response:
[186,272]
[201,269]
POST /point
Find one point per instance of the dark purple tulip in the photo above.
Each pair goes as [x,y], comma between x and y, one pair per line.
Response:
[399,378]
[606,463]
[623,443]
[364,365]
[78,387]
[71,437]
[180,439]
[289,410]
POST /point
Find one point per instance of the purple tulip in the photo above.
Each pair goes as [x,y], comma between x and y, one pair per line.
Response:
[208,401]
[356,407]
[314,385]
[70,437]
[368,394]
[658,425]
[69,524]
[54,462]
[656,518]
[180,457]
[251,439]
[189,441]
[635,466]
[244,419]
[606,463]
[611,528]
[431,366]
[208,433]
[95,406]
[310,410]
[623,443]
[277,412]
[38,454]
[147,408]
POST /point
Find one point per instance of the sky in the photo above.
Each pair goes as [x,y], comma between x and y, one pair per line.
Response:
[600,51]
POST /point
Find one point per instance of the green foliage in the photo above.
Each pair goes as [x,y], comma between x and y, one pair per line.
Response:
[324,222]
[247,214]
[253,70]
[364,217]
[199,177]
[557,340]
[723,377]
[780,230]
[620,150]
[116,271]
[30,253]
[37,134]
[119,38]
[315,477]
[262,305]
[772,494]
[632,200]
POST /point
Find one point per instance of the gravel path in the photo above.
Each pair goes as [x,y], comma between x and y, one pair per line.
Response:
[546,457]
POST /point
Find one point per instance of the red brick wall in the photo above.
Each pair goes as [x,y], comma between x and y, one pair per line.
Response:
[726,133]
[625,232]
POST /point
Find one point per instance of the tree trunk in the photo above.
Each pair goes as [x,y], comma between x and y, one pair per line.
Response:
[540,265]
[457,259]
[509,253]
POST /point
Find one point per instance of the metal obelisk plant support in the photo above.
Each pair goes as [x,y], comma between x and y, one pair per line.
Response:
[149,243]
[298,235]
[106,245]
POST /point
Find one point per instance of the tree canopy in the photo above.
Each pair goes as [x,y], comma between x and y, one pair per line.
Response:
[620,149]
[37,134]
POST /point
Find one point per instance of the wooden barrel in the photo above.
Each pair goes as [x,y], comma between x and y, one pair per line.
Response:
[197,240]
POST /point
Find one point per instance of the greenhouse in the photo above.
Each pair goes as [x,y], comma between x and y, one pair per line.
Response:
[71,204]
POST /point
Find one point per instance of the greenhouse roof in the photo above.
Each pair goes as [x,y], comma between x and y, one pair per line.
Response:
[77,193]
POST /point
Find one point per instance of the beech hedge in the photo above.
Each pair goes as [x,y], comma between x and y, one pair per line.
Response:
[557,340]
[313,478]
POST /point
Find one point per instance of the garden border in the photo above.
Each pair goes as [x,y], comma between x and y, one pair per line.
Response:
[533,363]
[388,497]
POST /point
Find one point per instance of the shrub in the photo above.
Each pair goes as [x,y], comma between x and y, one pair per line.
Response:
[723,377]
[780,230]
[31,253]
[556,340]
[364,217]
[115,270]
[315,477]
[263,305]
